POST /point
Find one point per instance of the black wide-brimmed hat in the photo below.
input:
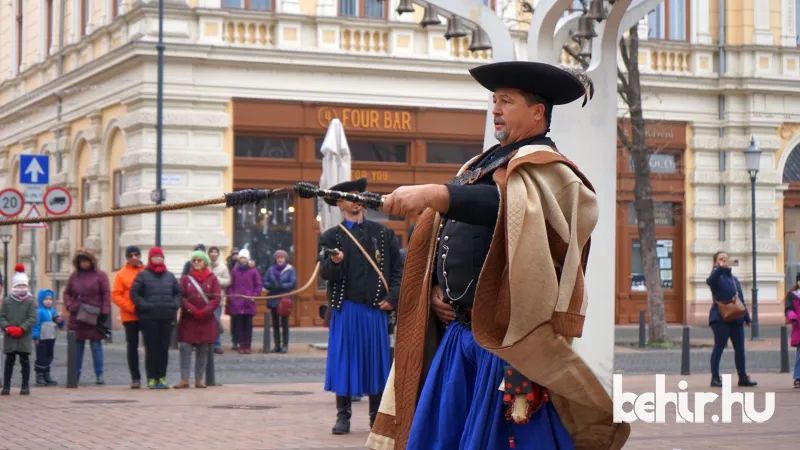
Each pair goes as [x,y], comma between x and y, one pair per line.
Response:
[554,84]
[359,185]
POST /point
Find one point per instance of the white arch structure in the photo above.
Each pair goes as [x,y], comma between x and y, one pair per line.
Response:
[586,135]
[787,151]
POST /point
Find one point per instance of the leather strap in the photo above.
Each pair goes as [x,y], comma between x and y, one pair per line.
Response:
[366,255]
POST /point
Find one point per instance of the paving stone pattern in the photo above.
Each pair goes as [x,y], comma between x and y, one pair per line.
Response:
[300,416]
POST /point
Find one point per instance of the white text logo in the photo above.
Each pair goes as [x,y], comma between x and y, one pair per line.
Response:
[651,406]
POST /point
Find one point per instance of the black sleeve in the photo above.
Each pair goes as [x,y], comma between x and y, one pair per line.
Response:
[329,270]
[475,204]
[396,267]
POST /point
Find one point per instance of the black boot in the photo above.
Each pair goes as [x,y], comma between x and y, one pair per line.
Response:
[285,343]
[276,335]
[344,411]
[745,381]
[40,379]
[716,381]
[26,377]
[49,381]
[374,404]
[7,372]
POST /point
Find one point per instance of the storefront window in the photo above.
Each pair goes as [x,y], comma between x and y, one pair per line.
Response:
[441,153]
[664,214]
[260,147]
[265,228]
[373,151]
[664,252]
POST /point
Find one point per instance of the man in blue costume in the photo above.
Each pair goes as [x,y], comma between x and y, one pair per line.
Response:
[493,291]
[361,263]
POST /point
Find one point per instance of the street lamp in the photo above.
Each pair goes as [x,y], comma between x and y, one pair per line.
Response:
[752,156]
[5,236]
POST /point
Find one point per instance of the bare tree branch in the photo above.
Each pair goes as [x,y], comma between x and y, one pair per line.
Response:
[623,49]
[584,63]
[623,138]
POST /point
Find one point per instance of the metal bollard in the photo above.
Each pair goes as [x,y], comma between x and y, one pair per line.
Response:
[642,331]
[267,333]
[210,378]
[72,360]
[685,352]
[784,349]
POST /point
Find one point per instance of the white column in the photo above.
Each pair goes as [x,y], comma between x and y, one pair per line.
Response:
[700,23]
[55,30]
[788,23]
[762,35]
[75,26]
[507,10]
[43,50]
[289,6]
[643,28]
[326,8]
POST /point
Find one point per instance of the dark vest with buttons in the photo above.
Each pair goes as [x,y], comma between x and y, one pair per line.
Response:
[461,248]
[361,284]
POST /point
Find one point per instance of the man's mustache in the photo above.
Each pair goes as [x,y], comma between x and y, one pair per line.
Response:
[499,121]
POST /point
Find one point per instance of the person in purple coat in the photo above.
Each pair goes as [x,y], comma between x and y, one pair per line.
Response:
[245,282]
[88,288]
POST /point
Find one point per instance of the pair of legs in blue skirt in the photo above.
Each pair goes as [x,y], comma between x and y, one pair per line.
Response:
[358,359]
[461,404]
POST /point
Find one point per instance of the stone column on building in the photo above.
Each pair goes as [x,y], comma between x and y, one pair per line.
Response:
[789,23]
[61,243]
[96,179]
[289,6]
[701,22]
[326,8]
[762,34]
[194,164]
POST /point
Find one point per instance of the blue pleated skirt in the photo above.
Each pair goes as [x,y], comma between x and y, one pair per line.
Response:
[461,405]
[358,350]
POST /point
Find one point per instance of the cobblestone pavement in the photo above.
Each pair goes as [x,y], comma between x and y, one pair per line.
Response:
[300,416]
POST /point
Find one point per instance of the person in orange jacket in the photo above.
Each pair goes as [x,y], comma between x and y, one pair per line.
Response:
[121,296]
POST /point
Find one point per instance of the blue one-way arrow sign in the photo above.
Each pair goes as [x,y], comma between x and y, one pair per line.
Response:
[34,169]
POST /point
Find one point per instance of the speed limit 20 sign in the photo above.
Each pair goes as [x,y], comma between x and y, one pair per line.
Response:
[11,202]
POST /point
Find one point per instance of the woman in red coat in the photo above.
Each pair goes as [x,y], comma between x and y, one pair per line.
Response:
[197,326]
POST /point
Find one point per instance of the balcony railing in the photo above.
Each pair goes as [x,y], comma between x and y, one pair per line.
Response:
[323,35]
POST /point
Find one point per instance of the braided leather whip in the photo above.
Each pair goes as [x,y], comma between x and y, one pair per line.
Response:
[237,198]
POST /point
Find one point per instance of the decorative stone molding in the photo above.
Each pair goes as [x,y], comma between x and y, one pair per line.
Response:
[184,158]
[176,118]
[29,145]
[738,211]
[709,247]
[63,247]
[95,244]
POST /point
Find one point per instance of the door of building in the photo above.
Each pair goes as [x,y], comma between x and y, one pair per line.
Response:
[631,290]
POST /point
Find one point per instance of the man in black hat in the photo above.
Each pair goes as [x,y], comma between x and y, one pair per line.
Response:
[493,290]
[359,302]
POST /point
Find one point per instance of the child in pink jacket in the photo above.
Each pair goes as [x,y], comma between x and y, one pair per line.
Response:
[793,316]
